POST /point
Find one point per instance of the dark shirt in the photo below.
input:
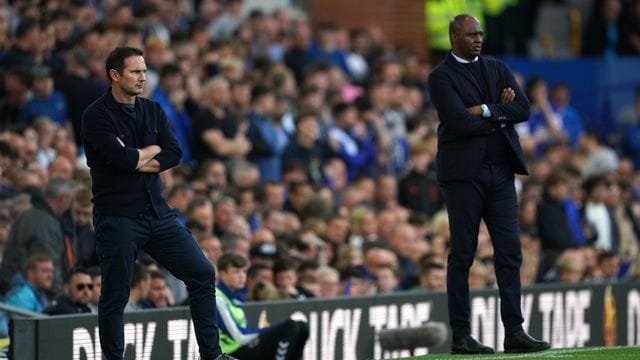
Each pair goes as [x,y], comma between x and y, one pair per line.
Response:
[311,157]
[118,188]
[206,120]
[419,192]
[64,306]
[553,224]
[18,57]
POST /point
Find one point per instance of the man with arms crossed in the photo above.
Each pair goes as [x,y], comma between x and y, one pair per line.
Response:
[478,102]
[128,141]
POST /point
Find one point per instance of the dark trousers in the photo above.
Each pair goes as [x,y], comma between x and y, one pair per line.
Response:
[491,196]
[172,246]
[284,341]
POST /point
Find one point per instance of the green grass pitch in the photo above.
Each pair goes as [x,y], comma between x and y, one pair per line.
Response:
[593,353]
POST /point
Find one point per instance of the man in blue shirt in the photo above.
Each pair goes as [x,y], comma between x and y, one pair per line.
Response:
[32,294]
[45,101]
[128,141]
[171,96]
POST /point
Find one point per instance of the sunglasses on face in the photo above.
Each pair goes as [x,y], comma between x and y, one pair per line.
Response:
[81,287]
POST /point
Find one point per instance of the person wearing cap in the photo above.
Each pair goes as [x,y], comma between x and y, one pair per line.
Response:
[285,340]
[46,101]
[128,142]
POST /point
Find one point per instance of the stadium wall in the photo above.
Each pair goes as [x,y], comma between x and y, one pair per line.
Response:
[346,328]
[401,21]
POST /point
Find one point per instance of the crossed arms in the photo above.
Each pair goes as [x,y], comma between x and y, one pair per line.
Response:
[146,155]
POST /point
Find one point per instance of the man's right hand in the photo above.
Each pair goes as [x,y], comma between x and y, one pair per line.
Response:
[147,154]
[507,95]
[151,150]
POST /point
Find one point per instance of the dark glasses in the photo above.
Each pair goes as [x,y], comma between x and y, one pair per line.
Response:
[81,287]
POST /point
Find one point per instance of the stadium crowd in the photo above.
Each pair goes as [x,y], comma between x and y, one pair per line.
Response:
[308,150]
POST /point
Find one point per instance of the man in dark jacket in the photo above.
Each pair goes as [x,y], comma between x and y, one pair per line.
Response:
[418,189]
[77,295]
[128,141]
[41,230]
[478,101]
[554,219]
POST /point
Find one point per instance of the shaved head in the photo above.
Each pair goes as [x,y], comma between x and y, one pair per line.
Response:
[465,34]
[456,23]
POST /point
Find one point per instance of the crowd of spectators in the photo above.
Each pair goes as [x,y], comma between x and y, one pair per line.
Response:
[309,150]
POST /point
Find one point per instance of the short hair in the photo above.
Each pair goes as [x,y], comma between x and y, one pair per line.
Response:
[592,182]
[7,150]
[306,114]
[340,108]
[155,274]
[231,259]
[94,271]
[255,269]
[605,255]
[140,273]
[283,265]
[224,200]
[83,196]
[327,270]
[560,85]
[556,177]
[176,188]
[258,92]
[197,202]
[427,268]
[394,269]
[454,24]
[73,272]
[308,265]
[169,70]
[229,241]
[25,26]
[59,186]
[21,72]
[32,261]
[116,58]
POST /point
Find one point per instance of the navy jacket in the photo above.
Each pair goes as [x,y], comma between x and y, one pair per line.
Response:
[118,189]
[462,137]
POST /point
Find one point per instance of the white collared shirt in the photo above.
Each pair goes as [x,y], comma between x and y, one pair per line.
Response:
[463,61]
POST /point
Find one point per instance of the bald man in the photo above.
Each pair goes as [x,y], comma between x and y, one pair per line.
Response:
[478,102]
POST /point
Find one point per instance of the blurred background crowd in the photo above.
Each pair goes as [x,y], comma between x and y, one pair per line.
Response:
[308,148]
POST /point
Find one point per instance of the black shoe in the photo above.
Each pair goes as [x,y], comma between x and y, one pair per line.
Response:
[521,342]
[468,345]
[225,357]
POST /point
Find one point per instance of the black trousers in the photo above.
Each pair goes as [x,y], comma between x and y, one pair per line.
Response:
[170,244]
[491,196]
[284,341]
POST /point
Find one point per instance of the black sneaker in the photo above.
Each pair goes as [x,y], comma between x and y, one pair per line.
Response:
[469,345]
